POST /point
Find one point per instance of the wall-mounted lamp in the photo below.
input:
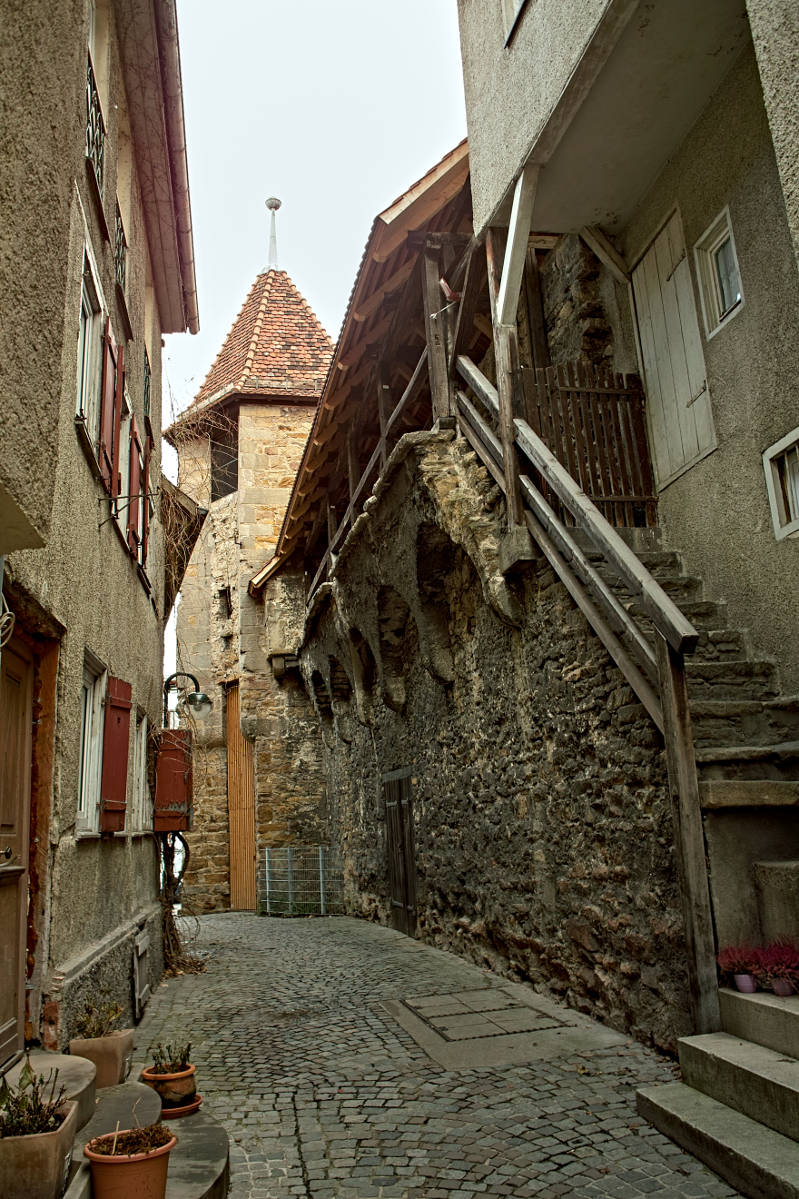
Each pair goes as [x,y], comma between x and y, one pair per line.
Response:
[197,700]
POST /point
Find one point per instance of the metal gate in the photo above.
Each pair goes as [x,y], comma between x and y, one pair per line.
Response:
[401,857]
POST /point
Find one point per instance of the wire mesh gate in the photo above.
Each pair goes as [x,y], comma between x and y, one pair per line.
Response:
[303,880]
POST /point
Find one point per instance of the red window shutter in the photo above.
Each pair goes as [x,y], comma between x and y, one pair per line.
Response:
[145,486]
[134,488]
[116,738]
[119,393]
[172,809]
[105,448]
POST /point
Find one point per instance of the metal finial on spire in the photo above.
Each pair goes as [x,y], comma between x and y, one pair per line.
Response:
[272,204]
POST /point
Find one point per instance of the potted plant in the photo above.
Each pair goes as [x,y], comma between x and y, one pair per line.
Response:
[743,963]
[98,1040]
[131,1163]
[779,966]
[37,1127]
[172,1076]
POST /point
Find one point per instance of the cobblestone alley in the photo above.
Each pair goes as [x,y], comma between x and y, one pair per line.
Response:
[325,1093]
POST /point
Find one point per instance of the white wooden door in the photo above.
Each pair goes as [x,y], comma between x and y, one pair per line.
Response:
[678,400]
[16,726]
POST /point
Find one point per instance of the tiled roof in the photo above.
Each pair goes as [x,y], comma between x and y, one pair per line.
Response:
[276,345]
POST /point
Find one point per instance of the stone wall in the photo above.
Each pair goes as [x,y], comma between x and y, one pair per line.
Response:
[543,837]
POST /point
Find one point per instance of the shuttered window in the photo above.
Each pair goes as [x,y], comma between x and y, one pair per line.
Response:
[116,738]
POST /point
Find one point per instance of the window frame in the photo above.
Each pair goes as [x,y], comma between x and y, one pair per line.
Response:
[90,357]
[784,525]
[715,317]
[142,808]
[90,759]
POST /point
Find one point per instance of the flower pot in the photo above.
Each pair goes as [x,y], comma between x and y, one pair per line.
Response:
[37,1165]
[133,1176]
[782,986]
[176,1090]
[745,983]
[111,1054]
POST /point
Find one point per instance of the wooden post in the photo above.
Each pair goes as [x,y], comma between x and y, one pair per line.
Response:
[353,469]
[506,354]
[516,251]
[689,842]
[436,331]
[535,313]
[383,413]
[464,322]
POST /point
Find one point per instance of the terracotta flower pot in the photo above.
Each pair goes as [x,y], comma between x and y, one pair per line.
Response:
[129,1176]
[37,1165]
[176,1090]
[111,1055]
[745,983]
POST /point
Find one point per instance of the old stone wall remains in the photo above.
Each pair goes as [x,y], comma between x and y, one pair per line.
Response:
[543,838]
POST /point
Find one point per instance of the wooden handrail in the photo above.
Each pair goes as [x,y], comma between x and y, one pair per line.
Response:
[662,611]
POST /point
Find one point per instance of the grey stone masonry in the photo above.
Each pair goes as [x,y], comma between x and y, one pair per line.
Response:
[324,1094]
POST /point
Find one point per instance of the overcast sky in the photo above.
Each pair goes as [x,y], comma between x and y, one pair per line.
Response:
[336,109]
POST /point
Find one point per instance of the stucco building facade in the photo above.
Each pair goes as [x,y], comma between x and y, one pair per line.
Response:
[257,768]
[97,253]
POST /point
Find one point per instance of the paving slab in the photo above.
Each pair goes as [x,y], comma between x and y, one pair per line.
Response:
[326,1092]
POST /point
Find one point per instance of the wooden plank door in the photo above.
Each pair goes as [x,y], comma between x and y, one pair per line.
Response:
[16,727]
[241,807]
[400,847]
[680,415]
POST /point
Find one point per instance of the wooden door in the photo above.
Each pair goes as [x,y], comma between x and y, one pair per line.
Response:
[400,846]
[678,400]
[241,807]
[16,727]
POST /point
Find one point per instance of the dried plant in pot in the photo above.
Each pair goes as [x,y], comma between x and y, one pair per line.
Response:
[172,1075]
[37,1127]
[742,964]
[779,967]
[98,1040]
[131,1163]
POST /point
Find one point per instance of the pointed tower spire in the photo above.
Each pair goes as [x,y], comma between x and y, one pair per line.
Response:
[272,204]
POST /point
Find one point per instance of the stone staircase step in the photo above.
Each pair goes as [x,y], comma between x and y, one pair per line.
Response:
[765,1019]
[747,722]
[718,644]
[748,793]
[74,1073]
[775,762]
[704,614]
[198,1165]
[756,1081]
[731,679]
[756,1161]
[777,889]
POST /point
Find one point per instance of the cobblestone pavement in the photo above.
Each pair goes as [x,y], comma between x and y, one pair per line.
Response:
[323,1094]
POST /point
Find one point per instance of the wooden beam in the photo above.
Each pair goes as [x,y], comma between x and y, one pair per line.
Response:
[395,281]
[353,469]
[506,357]
[383,413]
[535,313]
[518,233]
[464,322]
[543,241]
[606,252]
[436,332]
[689,841]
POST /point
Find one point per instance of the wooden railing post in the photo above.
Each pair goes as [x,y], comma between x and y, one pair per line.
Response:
[383,413]
[435,325]
[689,843]
[506,355]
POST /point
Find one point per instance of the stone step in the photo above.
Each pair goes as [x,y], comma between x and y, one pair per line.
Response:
[756,1081]
[718,793]
[74,1073]
[774,762]
[703,614]
[762,1018]
[681,589]
[198,1165]
[718,644]
[756,1161]
[732,678]
[777,888]
[659,563]
[747,722]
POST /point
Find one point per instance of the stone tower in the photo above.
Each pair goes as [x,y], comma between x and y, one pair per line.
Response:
[257,778]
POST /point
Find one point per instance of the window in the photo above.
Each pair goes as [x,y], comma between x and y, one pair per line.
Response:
[224,461]
[91,746]
[719,277]
[90,343]
[142,814]
[781,464]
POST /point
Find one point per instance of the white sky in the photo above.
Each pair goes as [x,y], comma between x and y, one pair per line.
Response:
[336,109]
